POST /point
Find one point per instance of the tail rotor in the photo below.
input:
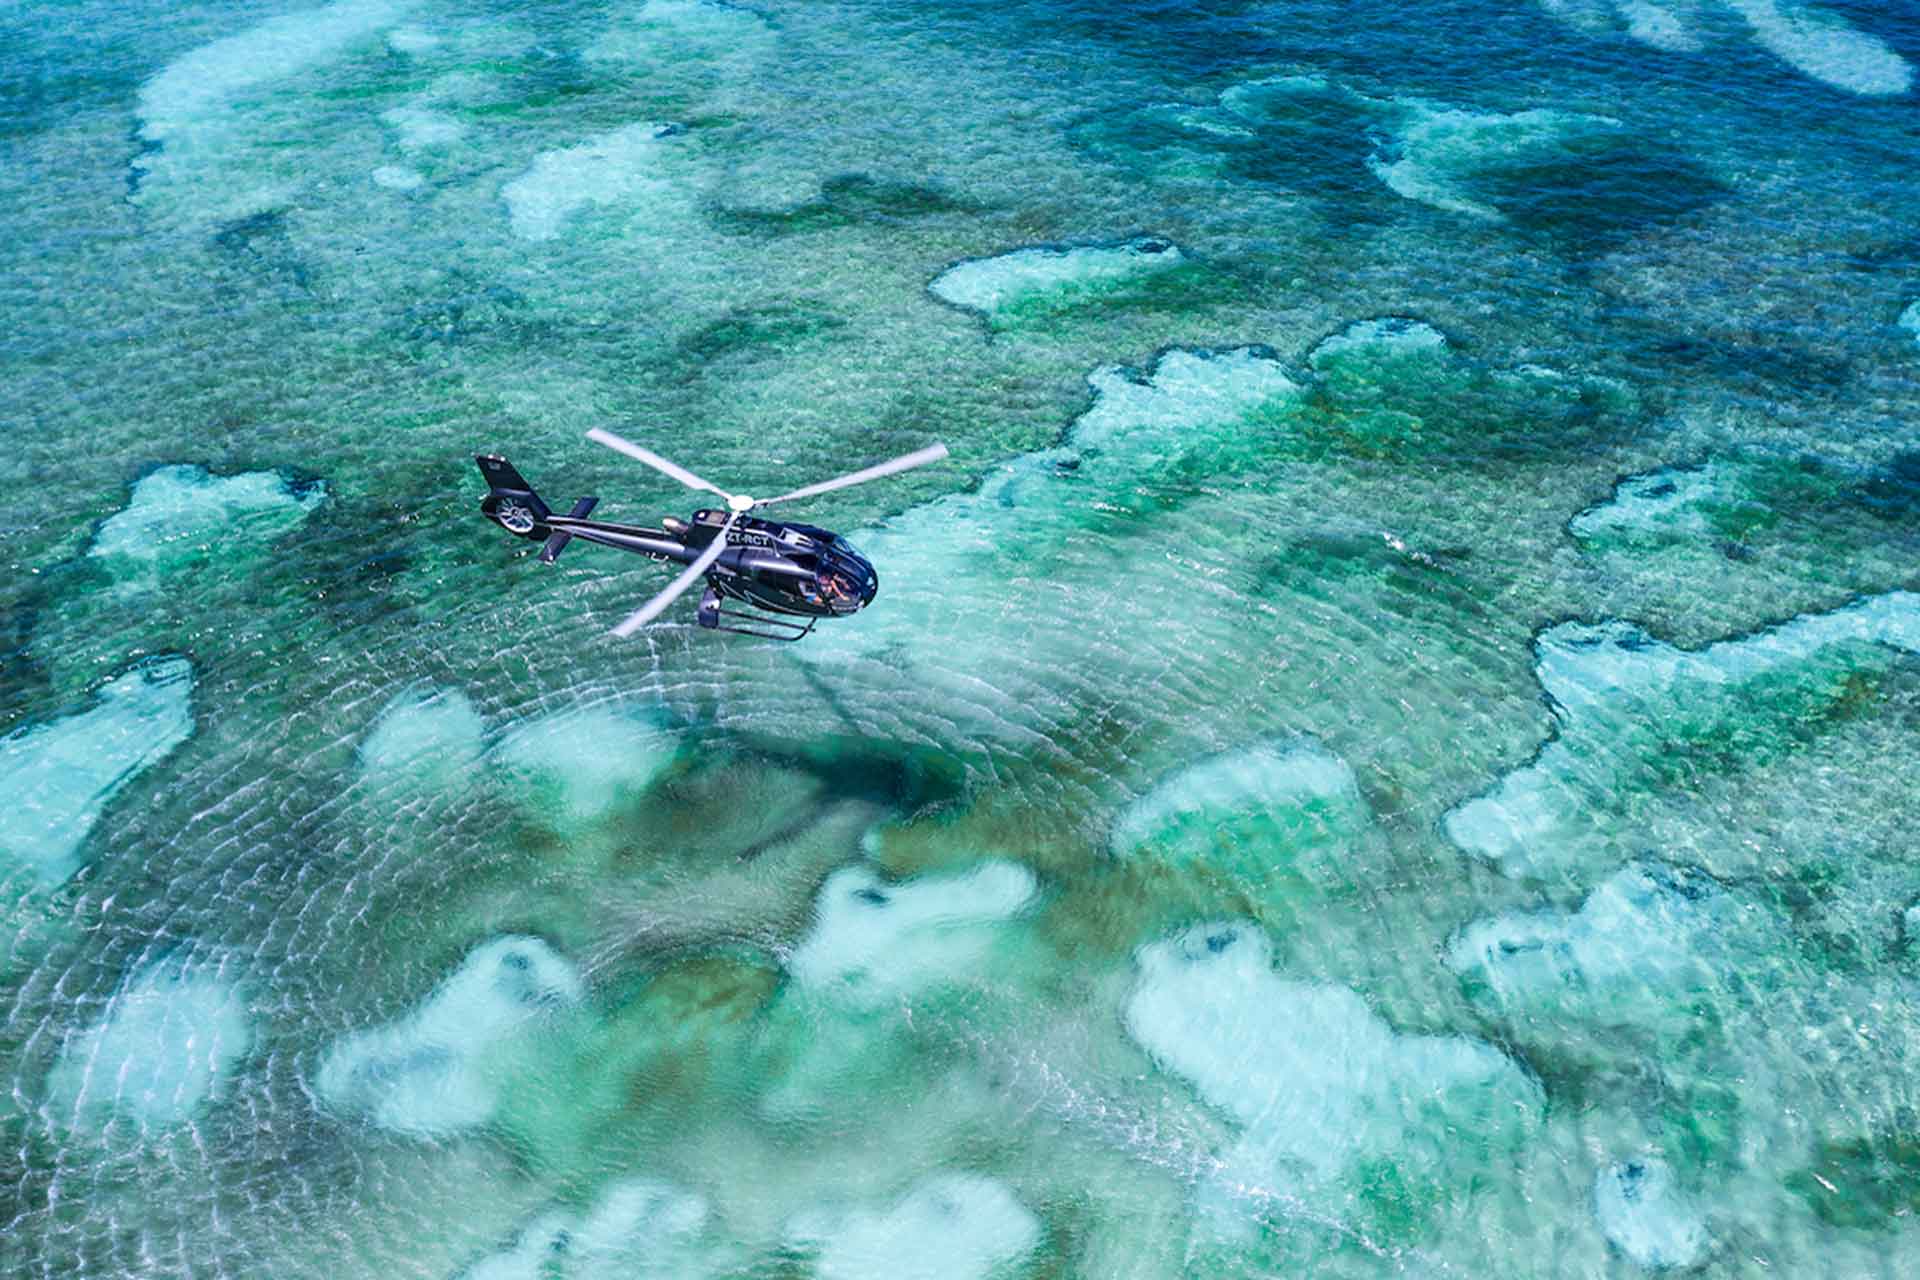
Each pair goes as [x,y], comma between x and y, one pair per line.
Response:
[512,504]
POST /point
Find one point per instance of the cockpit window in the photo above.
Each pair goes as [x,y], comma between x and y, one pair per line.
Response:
[838,588]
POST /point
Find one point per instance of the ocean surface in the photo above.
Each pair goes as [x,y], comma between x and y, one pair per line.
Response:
[1388,749]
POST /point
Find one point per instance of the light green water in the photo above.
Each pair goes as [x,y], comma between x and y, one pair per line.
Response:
[1384,751]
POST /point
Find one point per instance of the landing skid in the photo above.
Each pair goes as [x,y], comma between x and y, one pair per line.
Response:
[714,618]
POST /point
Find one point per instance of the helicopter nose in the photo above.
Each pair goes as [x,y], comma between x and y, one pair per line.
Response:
[865,584]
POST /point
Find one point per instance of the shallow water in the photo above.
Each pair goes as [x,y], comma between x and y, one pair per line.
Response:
[1382,752]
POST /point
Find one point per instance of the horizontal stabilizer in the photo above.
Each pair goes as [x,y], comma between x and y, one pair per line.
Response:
[558,542]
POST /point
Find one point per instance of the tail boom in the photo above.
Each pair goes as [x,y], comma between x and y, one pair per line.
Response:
[557,541]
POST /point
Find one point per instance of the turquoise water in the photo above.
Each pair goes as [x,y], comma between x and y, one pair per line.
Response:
[1384,751]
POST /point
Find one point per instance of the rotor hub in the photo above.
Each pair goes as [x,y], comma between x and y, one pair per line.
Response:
[738,502]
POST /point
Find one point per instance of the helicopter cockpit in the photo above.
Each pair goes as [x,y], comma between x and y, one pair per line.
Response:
[832,579]
[842,582]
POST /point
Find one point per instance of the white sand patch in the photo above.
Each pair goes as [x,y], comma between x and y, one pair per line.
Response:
[1257,99]
[626,167]
[182,102]
[413,40]
[956,1226]
[438,1070]
[1647,1217]
[1437,152]
[204,108]
[1315,1079]
[178,512]
[1257,812]
[422,128]
[875,953]
[166,1044]
[1670,501]
[1383,337]
[1582,15]
[639,1229]
[424,734]
[1658,25]
[1028,276]
[872,941]
[1644,941]
[1176,413]
[395,177]
[1826,47]
[1200,120]
[56,779]
[1604,680]
[577,764]
[531,1255]
[1191,412]
[1810,38]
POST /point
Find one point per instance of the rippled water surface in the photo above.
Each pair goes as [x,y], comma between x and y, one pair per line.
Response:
[1386,749]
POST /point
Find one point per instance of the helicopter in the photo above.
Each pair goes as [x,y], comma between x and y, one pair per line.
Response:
[779,571]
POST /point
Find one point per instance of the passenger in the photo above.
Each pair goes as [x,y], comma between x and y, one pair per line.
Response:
[837,589]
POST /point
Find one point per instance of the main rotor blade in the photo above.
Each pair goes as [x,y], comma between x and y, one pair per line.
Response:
[905,462]
[654,460]
[691,574]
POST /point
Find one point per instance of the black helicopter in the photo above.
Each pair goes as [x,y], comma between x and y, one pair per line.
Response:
[780,571]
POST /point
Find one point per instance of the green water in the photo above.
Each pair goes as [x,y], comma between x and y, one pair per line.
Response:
[1385,750]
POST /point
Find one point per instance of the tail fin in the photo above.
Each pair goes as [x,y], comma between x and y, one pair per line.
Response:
[511,502]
